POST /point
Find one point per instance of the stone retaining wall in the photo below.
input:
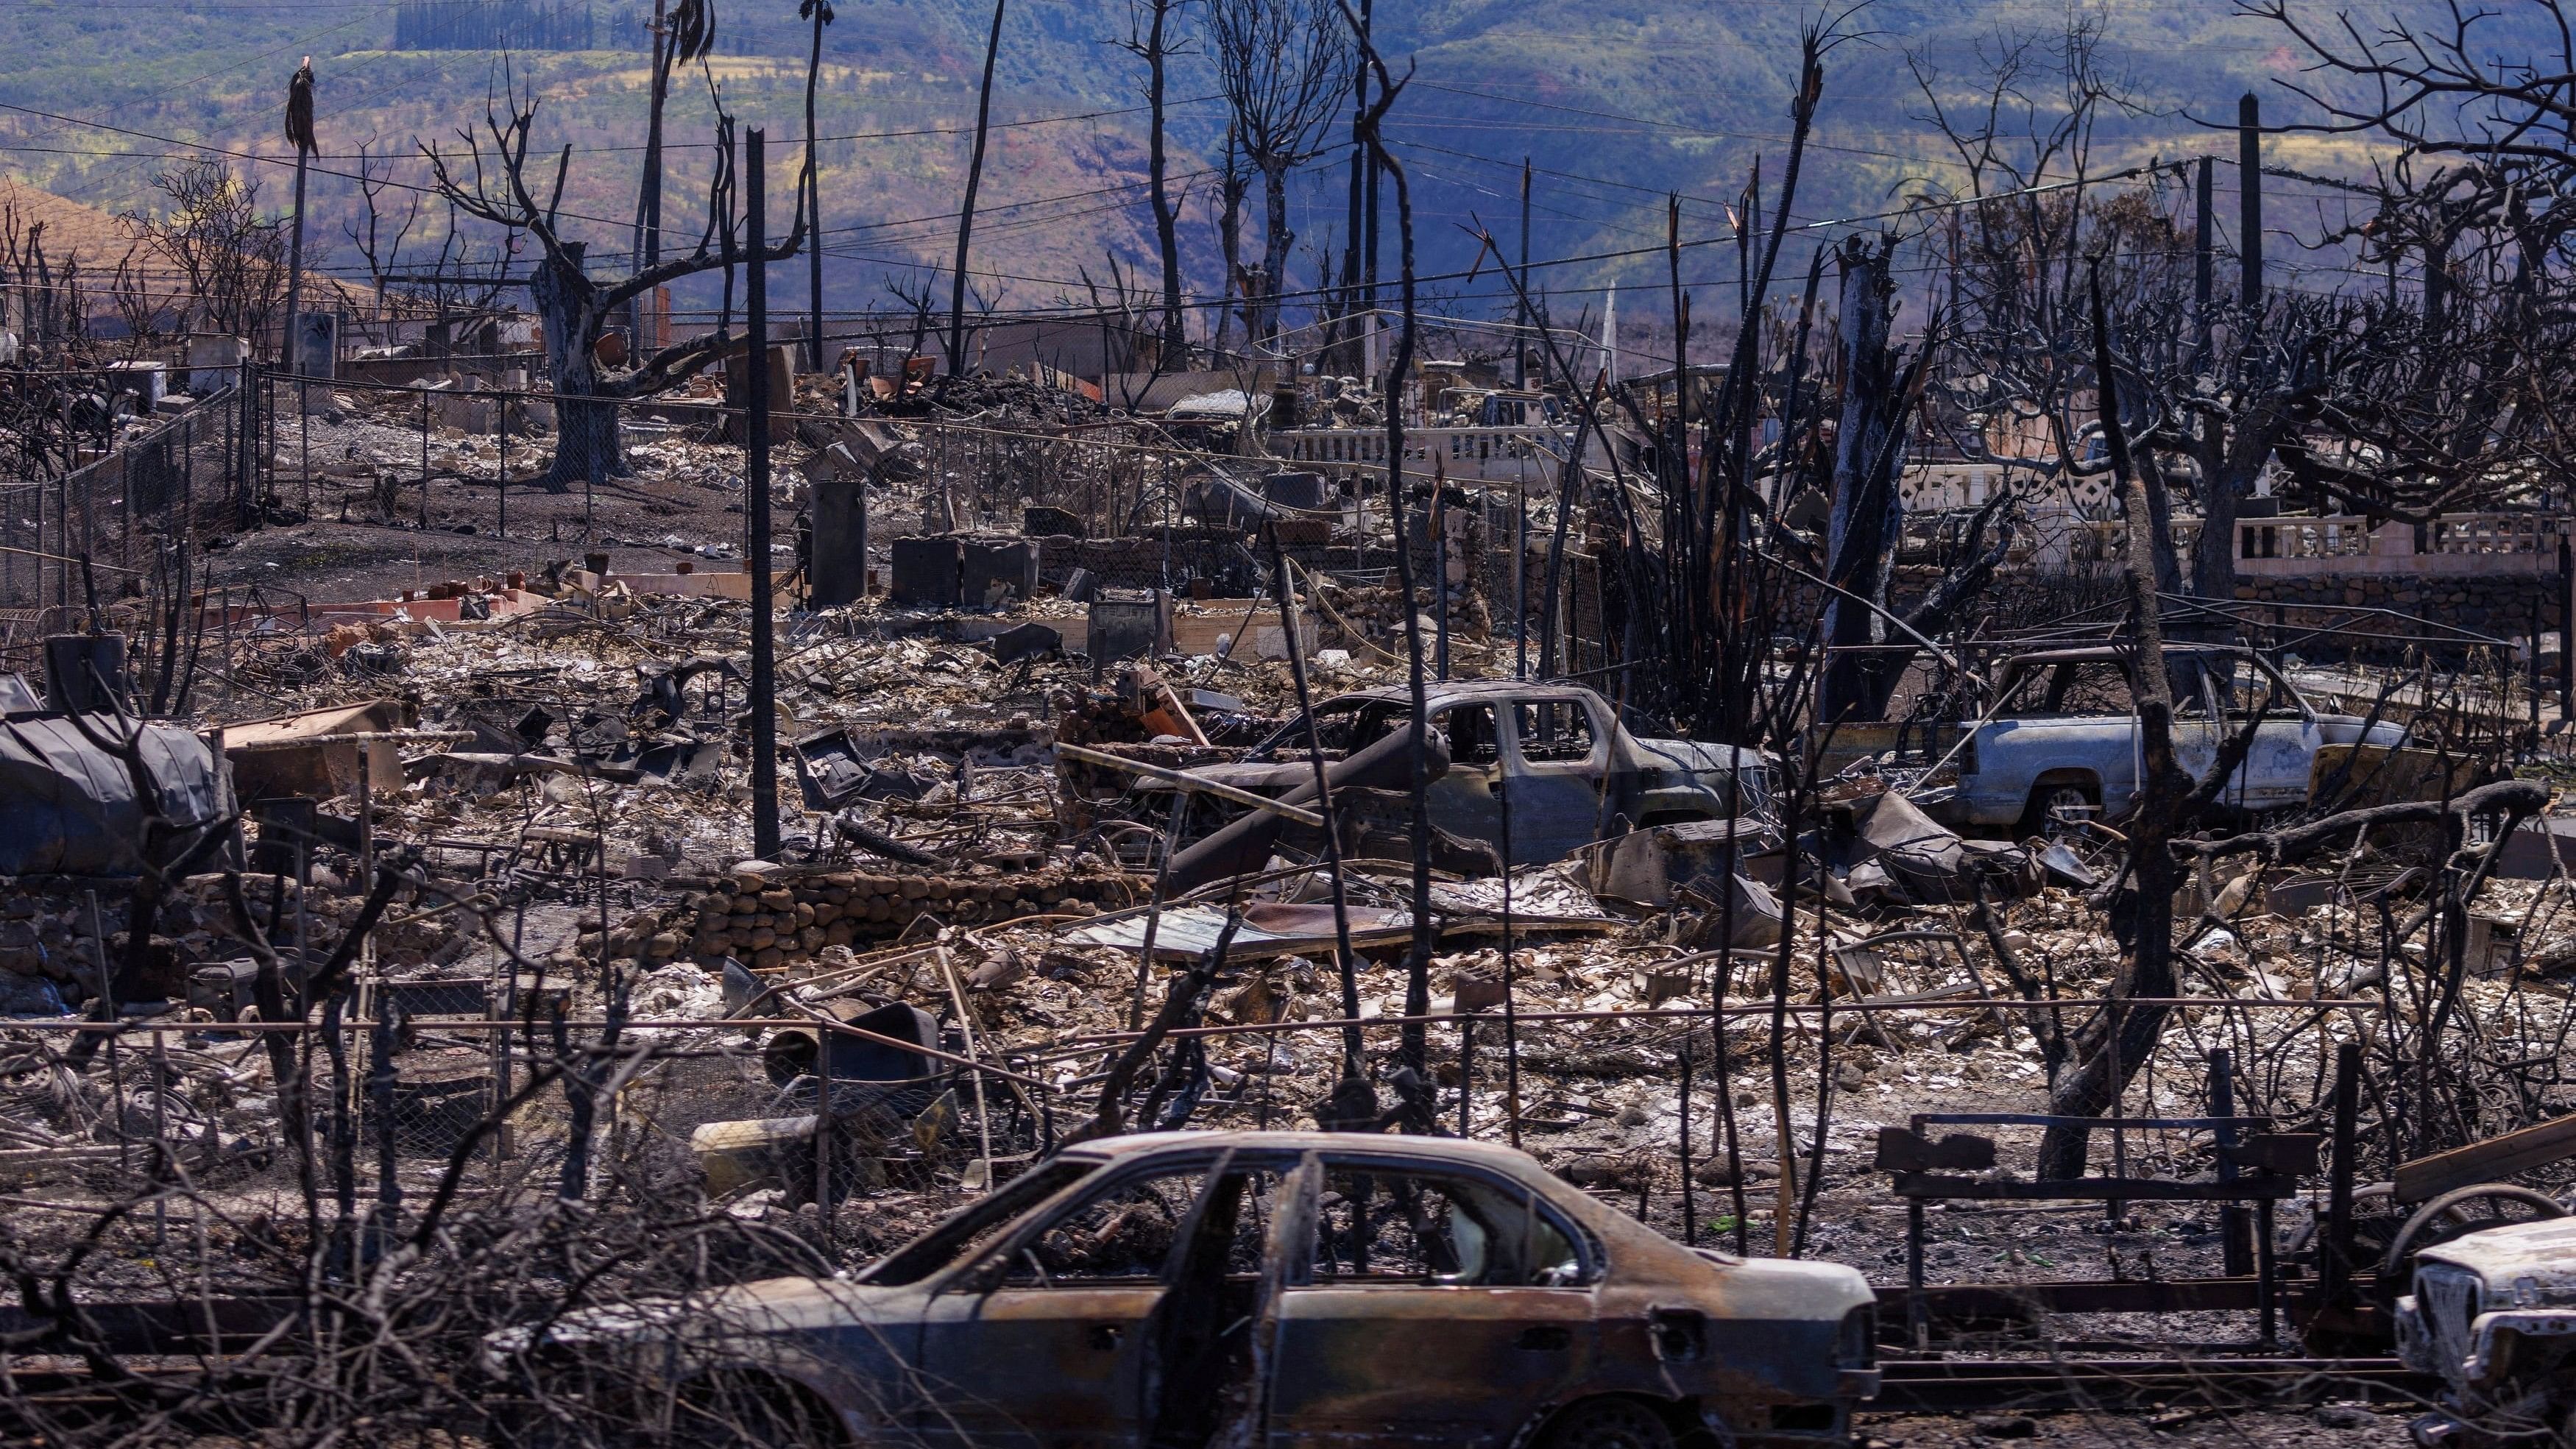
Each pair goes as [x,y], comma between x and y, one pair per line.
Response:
[767,918]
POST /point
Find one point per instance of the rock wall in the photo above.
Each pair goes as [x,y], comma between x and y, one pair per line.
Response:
[2500,605]
[769,917]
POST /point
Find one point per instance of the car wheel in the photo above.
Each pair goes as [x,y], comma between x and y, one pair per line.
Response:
[1609,1424]
[2053,811]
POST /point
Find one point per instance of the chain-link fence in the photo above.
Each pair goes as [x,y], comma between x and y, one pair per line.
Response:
[121,524]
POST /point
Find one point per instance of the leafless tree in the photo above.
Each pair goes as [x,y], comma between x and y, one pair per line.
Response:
[2470,397]
[1280,65]
[212,233]
[379,237]
[490,179]
[1153,37]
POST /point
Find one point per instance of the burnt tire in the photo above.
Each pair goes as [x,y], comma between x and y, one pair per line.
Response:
[1611,1423]
[2040,817]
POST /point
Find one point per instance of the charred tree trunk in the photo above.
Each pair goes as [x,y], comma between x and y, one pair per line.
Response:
[1867,513]
[1276,239]
[1167,236]
[1229,230]
[586,436]
[2230,460]
[2119,1039]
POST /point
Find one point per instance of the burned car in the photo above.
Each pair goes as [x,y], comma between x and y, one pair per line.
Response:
[1277,1287]
[1572,772]
[2494,1313]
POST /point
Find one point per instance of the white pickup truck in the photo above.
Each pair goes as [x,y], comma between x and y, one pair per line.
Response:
[2061,742]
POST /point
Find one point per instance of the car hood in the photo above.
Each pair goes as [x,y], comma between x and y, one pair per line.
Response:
[2541,1252]
[775,1305]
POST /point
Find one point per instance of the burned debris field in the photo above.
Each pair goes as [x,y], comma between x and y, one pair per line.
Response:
[634,825]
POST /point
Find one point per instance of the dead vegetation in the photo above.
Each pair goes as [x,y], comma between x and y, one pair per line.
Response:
[412,1000]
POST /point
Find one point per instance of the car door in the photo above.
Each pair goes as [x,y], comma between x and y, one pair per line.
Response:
[1040,1345]
[1437,1306]
[1554,760]
[2201,727]
[1463,801]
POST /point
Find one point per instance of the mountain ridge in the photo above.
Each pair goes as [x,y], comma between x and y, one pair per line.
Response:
[1617,102]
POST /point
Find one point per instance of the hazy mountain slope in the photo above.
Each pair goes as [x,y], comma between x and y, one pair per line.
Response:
[1615,101]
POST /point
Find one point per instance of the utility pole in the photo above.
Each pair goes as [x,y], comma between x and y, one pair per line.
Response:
[966,211]
[811,189]
[1369,222]
[1359,171]
[2203,227]
[647,194]
[755,424]
[2249,195]
[1520,340]
[299,132]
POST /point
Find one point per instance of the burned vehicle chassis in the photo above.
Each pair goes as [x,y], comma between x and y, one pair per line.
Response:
[1298,1288]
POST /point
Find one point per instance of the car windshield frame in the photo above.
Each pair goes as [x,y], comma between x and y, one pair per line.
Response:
[945,1245]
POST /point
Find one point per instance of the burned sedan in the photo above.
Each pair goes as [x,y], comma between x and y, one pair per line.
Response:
[1280,1288]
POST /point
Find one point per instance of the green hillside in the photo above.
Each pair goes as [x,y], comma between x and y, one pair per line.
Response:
[1615,101]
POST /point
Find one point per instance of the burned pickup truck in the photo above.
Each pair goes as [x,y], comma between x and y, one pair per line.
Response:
[1270,1288]
[1554,758]
[2061,743]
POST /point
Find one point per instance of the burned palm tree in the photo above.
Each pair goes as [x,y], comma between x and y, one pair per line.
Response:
[299,134]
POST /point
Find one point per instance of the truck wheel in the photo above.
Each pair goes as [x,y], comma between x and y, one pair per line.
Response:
[1609,1423]
[2042,818]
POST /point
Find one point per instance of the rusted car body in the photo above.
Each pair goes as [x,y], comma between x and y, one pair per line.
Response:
[1571,771]
[1274,1288]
